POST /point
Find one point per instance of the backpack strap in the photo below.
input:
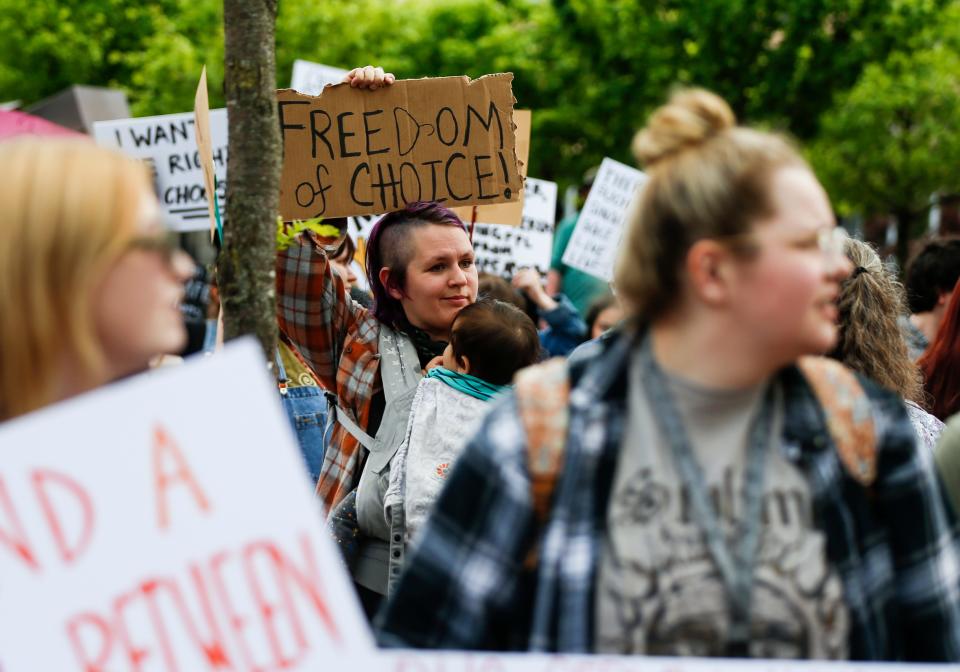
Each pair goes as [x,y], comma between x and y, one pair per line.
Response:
[848,414]
[543,394]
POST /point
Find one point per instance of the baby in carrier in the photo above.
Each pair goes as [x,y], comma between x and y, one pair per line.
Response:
[489,342]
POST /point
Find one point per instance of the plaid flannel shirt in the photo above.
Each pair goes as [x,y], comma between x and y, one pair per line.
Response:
[895,545]
[338,339]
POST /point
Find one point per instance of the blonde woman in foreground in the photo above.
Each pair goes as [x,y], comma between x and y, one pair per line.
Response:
[89,280]
[679,491]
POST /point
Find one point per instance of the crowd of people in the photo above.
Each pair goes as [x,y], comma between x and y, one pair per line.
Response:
[746,446]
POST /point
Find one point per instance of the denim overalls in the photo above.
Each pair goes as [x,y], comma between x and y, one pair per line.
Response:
[306,407]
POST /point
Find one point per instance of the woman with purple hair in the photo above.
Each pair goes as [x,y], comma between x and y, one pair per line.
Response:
[420,265]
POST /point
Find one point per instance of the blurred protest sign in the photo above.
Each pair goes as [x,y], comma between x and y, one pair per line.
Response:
[595,241]
[458,661]
[353,152]
[310,78]
[361,226]
[506,213]
[79,107]
[139,532]
[503,249]
[168,144]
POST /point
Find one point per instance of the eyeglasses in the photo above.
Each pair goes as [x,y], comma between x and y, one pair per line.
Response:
[166,244]
[829,240]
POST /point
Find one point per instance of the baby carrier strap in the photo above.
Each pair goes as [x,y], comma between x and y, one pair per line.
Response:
[400,374]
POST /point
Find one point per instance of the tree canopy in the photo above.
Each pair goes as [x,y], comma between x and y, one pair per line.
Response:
[834,73]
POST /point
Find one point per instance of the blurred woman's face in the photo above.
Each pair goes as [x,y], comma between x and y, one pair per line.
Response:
[786,293]
[607,319]
[441,278]
[136,304]
[341,266]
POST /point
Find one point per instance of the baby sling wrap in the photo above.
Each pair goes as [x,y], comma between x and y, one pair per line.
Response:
[400,373]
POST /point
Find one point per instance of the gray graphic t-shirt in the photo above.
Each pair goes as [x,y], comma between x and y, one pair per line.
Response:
[658,592]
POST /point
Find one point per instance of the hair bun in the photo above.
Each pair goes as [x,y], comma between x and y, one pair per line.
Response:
[691,117]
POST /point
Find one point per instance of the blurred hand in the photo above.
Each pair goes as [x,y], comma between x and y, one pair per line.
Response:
[527,280]
[369,77]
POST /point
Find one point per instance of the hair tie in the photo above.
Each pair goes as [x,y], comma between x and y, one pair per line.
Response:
[857,271]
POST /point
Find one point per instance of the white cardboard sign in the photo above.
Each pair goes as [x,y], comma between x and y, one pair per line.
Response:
[361,226]
[596,239]
[503,250]
[423,661]
[166,523]
[310,78]
[168,144]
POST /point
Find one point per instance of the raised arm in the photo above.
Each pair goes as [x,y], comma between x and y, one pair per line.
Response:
[314,309]
[566,328]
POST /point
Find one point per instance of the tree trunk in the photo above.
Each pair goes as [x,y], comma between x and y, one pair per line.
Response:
[246,263]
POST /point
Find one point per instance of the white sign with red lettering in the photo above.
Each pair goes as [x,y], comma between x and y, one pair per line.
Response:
[167,523]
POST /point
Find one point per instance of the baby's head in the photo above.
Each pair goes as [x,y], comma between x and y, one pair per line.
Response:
[491,340]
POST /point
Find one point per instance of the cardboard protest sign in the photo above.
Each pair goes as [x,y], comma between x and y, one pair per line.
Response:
[595,241]
[506,213]
[503,250]
[138,531]
[168,144]
[201,125]
[354,152]
[310,78]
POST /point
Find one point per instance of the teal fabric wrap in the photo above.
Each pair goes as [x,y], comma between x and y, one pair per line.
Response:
[464,382]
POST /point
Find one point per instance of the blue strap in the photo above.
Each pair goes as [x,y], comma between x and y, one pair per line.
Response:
[735,565]
[281,371]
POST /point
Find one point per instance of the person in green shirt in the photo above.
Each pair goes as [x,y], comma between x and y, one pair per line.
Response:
[948,459]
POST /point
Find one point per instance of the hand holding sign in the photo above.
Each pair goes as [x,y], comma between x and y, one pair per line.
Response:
[369,77]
